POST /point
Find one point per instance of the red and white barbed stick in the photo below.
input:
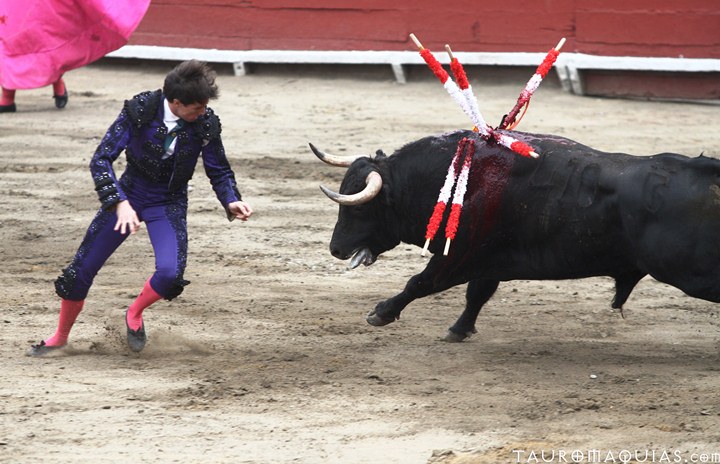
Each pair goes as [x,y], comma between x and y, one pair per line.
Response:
[462,81]
[459,196]
[515,145]
[466,99]
[451,87]
[521,148]
[509,121]
[444,197]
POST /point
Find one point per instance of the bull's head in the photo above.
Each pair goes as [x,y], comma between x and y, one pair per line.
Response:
[363,229]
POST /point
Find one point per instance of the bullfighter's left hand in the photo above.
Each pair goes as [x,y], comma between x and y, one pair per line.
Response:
[240,210]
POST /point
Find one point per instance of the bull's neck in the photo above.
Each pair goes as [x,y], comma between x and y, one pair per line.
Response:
[413,199]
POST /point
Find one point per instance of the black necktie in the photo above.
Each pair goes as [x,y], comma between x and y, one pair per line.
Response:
[173,133]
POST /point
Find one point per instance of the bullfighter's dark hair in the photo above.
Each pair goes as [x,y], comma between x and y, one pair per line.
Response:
[191,82]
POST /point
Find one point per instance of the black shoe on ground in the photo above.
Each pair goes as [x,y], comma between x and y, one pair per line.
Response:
[11,108]
[41,349]
[61,100]
[136,338]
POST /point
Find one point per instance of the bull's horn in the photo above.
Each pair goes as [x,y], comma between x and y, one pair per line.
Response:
[373,184]
[333,160]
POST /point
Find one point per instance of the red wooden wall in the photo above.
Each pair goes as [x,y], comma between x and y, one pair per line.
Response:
[669,28]
[681,28]
[641,28]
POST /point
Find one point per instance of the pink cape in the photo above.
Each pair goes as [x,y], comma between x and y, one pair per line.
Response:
[42,39]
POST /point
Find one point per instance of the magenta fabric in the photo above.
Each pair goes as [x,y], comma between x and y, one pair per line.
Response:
[42,39]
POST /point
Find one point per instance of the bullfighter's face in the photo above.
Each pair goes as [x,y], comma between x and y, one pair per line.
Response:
[188,113]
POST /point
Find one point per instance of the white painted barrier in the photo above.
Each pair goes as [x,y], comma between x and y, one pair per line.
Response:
[568,65]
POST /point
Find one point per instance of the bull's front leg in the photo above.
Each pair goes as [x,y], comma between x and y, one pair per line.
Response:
[421,285]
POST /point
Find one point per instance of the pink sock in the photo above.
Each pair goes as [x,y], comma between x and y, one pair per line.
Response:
[59,87]
[69,310]
[8,97]
[146,297]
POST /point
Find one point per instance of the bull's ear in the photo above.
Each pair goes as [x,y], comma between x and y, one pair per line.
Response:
[387,193]
[380,154]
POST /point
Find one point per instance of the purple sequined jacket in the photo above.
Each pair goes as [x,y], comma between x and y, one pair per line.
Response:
[140,131]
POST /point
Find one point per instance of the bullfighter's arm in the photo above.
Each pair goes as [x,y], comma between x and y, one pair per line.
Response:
[113,143]
[217,167]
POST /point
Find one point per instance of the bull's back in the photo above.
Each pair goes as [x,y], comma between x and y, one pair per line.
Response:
[554,217]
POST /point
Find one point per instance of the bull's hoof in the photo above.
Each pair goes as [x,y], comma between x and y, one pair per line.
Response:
[374,319]
[454,337]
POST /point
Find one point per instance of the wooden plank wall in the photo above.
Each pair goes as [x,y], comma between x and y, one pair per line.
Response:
[671,28]
[656,28]
[636,28]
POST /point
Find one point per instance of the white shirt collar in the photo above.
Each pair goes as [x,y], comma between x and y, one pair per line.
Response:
[169,118]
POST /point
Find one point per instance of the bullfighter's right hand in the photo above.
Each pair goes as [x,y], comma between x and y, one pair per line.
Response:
[127,219]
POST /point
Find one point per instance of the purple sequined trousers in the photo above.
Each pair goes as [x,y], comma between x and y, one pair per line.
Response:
[167,228]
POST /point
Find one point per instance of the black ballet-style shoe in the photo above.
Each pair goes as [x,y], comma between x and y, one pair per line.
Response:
[61,100]
[136,338]
[41,349]
[11,108]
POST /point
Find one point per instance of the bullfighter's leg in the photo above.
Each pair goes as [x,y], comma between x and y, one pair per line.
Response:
[478,293]
[624,285]
[426,283]
[73,285]
[100,241]
[167,228]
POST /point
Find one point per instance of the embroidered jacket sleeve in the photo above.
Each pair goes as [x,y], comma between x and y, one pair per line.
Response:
[217,167]
[113,143]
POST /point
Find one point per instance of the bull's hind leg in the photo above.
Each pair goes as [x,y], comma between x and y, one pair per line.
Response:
[624,285]
[478,293]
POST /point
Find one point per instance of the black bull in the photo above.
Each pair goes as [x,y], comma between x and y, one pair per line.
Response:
[575,212]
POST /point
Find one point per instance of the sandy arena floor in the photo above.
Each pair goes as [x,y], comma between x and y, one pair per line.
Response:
[267,358]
